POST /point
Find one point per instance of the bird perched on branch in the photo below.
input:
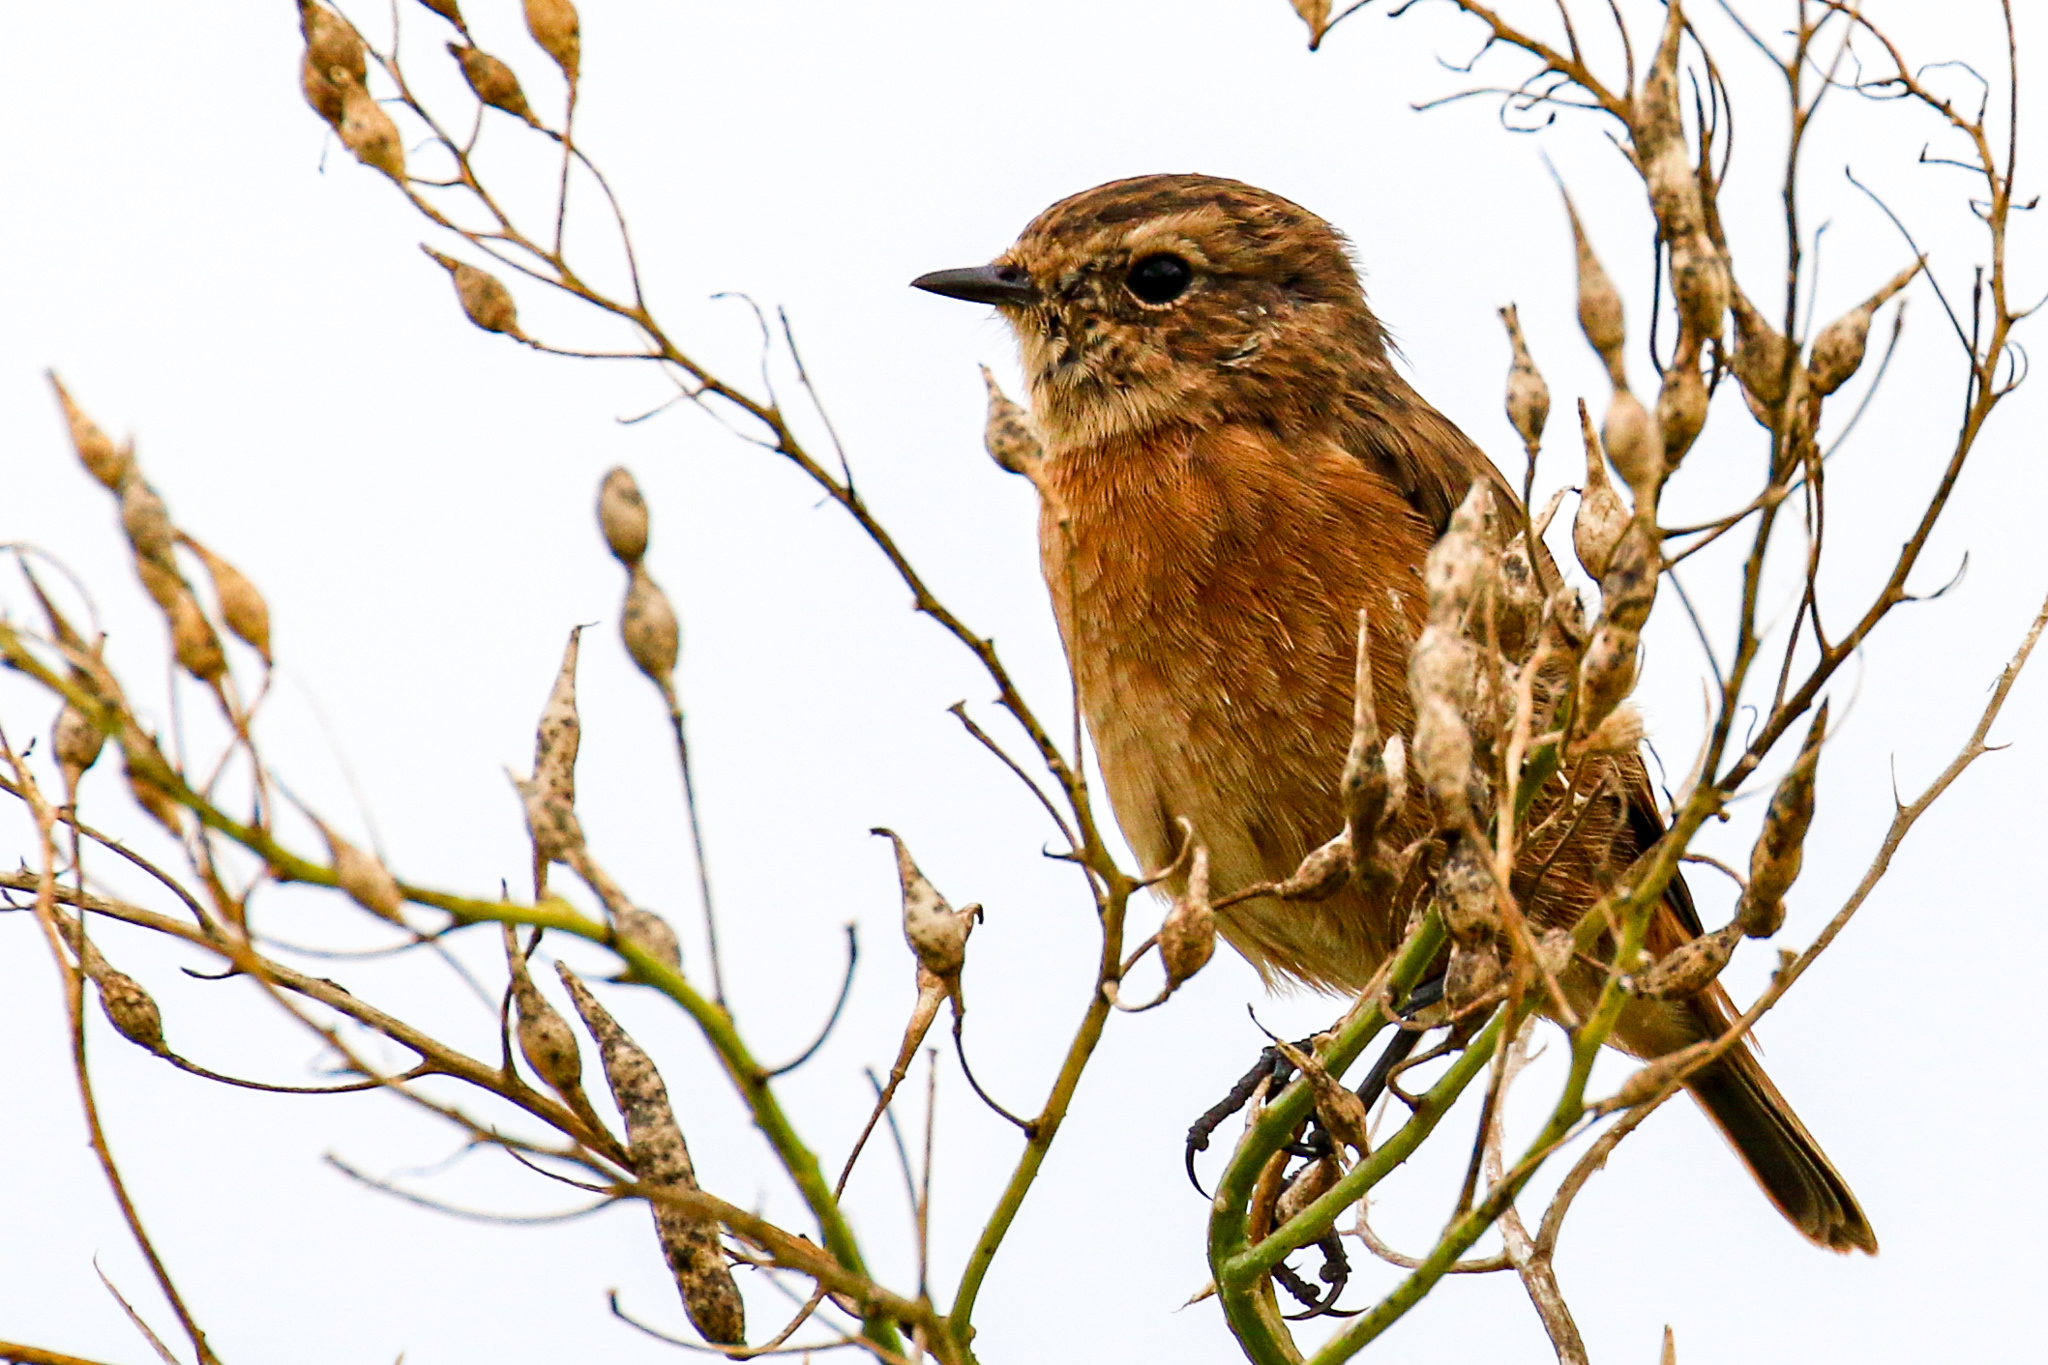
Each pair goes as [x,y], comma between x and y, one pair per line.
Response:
[1233,467]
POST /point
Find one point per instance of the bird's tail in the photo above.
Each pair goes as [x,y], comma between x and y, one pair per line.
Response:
[1781,1154]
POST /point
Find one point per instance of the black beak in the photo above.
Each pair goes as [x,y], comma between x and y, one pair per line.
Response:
[997,284]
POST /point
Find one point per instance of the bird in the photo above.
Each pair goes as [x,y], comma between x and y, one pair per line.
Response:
[1232,467]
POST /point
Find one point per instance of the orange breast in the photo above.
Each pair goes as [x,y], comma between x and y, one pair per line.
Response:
[1207,589]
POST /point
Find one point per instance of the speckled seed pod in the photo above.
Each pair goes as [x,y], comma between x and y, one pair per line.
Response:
[1517,600]
[622,517]
[1762,359]
[1460,567]
[1600,315]
[1699,277]
[555,26]
[76,742]
[1780,848]
[1838,350]
[651,932]
[661,1159]
[1681,411]
[1365,784]
[1323,873]
[128,1007]
[1607,674]
[241,606]
[332,43]
[485,300]
[1443,758]
[1187,936]
[1690,967]
[493,82]
[935,931]
[1465,894]
[366,130]
[1528,402]
[550,823]
[559,736]
[648,626]
[1395,758]
[1601,516]
[1011,441]
[545,1038]
[101,458]
[363,878]
[1629,587]
[1471,976]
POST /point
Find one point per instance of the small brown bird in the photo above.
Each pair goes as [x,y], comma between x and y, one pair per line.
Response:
[1233,467]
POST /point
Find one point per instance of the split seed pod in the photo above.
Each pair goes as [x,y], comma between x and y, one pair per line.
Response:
[484,298]
[1187,936]
[1011,441]
[555,26]
[1528,396]
[1780,848]
[622,517]
[366,130]
[661,1159]
[648,626]
[102,459]
[493,82]
[1689,968]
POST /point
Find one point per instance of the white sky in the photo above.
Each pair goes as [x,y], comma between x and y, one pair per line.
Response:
[414,498]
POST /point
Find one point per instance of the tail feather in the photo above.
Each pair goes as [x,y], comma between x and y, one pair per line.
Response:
[1781,1154]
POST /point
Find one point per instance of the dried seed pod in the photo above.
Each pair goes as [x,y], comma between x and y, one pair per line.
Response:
[1471,977]
[1601,517]
[1629,587]
[193,640]
[1699,274]
[161,805]
[493,82]
[545,1038]
[1690,967]
[1338,1107]
[1187,936]
[936,932]
[1600,315]
[484,298]
[1634,447]
[1838,350]
[1465,894]
[1323,873]
[648,626]
[321,93]
[550,823]
[1460,566]
[1443,758]
[448,10]
[1528,396]
[559,736]
[651,932]
[1780,848]
[1365,784]
[661,1159]
[1310,1183]
[146,521]
[1315,14]
[76,742]
[1763,359]
[363,878]
[241,606]
[1681,411]
[1607,674]
[555,26]
[101,458]
[1011,440]
[622,516]
[366,130]
[128,1006]
[331,42]
[1518,603]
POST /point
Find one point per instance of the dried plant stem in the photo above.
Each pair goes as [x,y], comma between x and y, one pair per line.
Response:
[675,720]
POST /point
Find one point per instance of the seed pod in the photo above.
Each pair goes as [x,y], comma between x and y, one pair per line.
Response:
[1762,359]
[1443,758]
[321,93]
[936,932]
[622,516]
[1472,975]
[1187,936]
[661,1159]
[160,804]
[1634,447]
[241,606]
[550,823]
[554,25]
[1310,1183]
[1012,442]
[493,82]
[1364,785]
[448,10]
[146,521]
[651,932]
[1699,274]
[1688,969]
[1601,517]
[1600,315]
[193,640]
[363,878]
[1338,1108]
[545,1038]
[1607,674]
[76,742]
[1323,873]
[105,462]
[1465,894]
[1460,566]
[1528,396]
[1518,600]
[368,131]
[649,628]
[484,298]
[1629,587]
[1780,848]
[331,42]
[128,1006]
[1838,350]
[559,736]
[1681,411]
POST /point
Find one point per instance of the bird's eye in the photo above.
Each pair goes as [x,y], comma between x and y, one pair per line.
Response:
[1160,278]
